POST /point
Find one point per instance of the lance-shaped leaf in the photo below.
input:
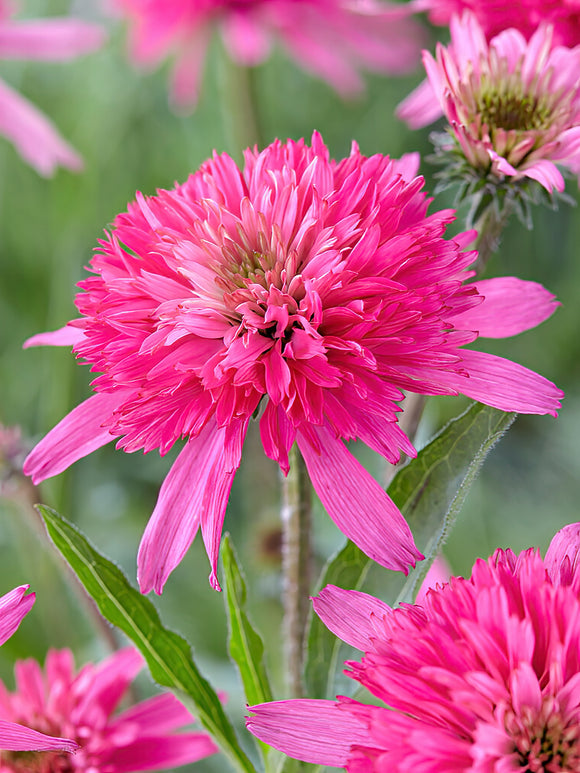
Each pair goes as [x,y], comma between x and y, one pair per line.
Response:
[168,655]
[245,645]
[429,491]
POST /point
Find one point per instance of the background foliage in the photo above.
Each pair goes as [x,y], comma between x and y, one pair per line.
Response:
[121,123]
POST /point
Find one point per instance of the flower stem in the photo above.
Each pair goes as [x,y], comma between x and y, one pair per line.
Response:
[238,103]
[296,520]
[489,228]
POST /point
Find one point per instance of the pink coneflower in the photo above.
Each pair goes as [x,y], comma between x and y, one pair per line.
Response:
[16,737]
[58,39]
[331,38]
[495,16]
[80,705]
[483,677]
[513,106]
[301,289]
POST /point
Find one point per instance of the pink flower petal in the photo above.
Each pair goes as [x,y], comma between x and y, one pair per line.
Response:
[315,731]
[18,738]
[348,614]
[438,574]
[420,108]
[80,433]
[511,306]
[194,492]
[162,712]
[65,336]
[504,384]
[159,753]
[356,503]
[13,607]
[33,135]
[563,556]
[56,39]
[106,690]
[546,173]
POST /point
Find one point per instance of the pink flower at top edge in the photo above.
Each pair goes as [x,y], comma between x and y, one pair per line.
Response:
[55,39]
[331,38]
[483,676]
[16,737]
[513,106]
[308,290]
[81,705]
[495,16]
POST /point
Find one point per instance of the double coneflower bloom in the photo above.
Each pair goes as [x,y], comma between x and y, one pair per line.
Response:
[483,675]
[301,290]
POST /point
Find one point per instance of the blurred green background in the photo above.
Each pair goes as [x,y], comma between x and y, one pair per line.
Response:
[120,121]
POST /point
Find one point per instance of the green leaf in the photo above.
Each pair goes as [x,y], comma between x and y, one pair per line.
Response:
[430,491]
[245,645]
[167,654]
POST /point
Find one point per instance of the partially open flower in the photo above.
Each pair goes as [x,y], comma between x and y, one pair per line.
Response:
[482,676]
[331,38]
[513,106]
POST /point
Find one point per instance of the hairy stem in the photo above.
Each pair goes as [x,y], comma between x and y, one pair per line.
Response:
[296,520]
[489,229]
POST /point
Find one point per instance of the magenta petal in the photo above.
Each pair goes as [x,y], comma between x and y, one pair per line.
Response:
[348,614]
[547,174]
[80,433]
[56,39]
[159,753]
[562,559]
[511,306]
[18,738]
[65,336]
[356,503]
[503,384]
[160,714]
[421,107]
[13,607]
[315,731]
[194,492]
[33,135]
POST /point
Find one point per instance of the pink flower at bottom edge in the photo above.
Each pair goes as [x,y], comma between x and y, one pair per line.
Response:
[54,39]
[483,676]
[513,106]
[302,289]
[146,736]
[13,607]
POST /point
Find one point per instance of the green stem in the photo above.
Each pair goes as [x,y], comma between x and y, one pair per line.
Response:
[238,106]
[489,229]
[296,520]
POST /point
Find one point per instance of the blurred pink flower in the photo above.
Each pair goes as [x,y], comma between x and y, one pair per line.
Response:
[56,39]
[495,16]
[80,705]
[514,107]
[328,37]
[484,676]
[306,290]
[13,607]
